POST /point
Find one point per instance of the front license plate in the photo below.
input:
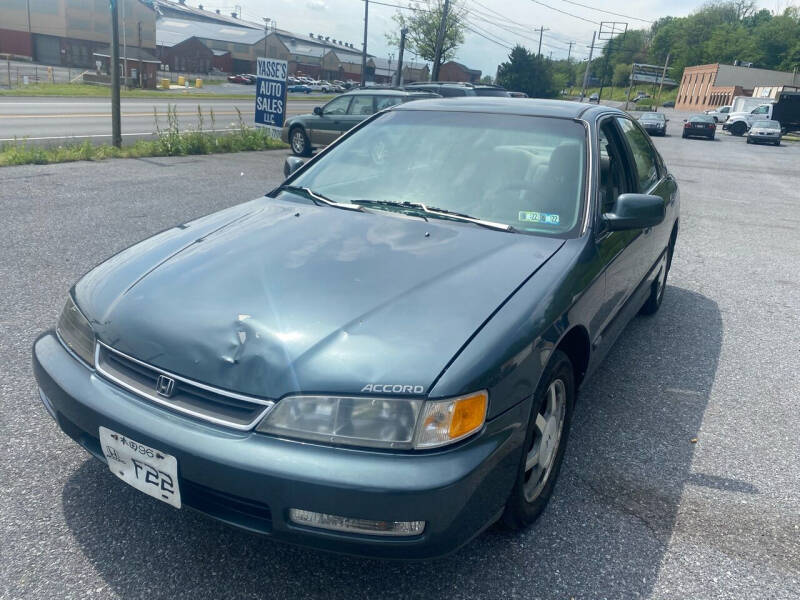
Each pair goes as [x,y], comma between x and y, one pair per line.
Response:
[148,470]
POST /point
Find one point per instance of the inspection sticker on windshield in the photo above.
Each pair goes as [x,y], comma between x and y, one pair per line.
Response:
[529,216]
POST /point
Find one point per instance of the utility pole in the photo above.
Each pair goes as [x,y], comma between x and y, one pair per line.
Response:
[630,85]
[364,49]
[124,48]
[437,55]
[588,66]
[661,85]
[266,31]
[608,29]
[116,129]
[141,78]
[541,32]
[569,66]
[399,77]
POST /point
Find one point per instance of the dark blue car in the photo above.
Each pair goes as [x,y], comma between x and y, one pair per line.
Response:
[382,355]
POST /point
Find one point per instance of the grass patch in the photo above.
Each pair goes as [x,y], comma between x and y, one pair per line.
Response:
[84,90]
[620,93]
[170,141]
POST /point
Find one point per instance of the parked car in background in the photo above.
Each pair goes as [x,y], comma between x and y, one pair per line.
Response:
[699,126]
[241,78]
[669,104]
[491,90]
[299,88]
[654,123]
[641,96]
[720,113]
[765,132]
[518,94]
[315,86]
[594,98]
[381,356]
[305,132]
[446,89]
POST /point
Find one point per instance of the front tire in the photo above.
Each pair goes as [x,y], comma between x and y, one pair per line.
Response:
[545,442]
[738,129]
[301,145]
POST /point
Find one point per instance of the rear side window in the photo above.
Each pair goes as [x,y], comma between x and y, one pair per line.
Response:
[382,102]
[361,105]
[643,154]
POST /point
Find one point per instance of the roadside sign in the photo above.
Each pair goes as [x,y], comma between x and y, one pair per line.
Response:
[271,93]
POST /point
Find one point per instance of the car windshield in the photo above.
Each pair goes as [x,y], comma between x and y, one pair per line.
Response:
[652,116]
[522,171]
[491,92]
[767,124]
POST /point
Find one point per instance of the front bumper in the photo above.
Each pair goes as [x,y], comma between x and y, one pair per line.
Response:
[763,137]
[251,480]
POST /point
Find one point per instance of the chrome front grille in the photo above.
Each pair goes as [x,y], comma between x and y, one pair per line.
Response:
[185,396]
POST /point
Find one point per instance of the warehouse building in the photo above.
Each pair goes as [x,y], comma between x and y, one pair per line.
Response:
[707,86]
[68,32]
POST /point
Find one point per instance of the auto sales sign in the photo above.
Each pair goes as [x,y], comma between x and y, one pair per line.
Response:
[271,93]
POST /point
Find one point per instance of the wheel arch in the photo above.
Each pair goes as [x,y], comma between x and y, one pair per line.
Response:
[576,345]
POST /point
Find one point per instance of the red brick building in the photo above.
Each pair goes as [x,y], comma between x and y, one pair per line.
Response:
[707,86]
[455,71]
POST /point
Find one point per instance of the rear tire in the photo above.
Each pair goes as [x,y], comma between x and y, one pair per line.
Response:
[778,143]
[749,141]
[545,442]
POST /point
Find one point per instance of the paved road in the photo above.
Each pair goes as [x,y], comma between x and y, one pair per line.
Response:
[56,120]
[639,511]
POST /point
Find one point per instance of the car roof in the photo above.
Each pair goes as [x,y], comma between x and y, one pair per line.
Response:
[384,92]
[533,107]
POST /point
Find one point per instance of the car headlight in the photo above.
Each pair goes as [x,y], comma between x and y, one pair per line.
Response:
[76,333]
[377,422]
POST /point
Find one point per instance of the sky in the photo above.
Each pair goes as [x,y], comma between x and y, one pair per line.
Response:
[505,22]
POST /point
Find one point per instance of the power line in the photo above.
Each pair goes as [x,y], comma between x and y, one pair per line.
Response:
[563,12]
[524,26]
[608,12]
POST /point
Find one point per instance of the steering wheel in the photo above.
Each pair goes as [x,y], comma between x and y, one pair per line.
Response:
[503,203]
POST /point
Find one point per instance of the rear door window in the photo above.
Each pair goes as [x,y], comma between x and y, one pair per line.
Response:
[382,102]
[361,106]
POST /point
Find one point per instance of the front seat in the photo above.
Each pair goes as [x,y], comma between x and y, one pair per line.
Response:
[558,193]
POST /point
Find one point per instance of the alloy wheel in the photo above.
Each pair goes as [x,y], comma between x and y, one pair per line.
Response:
[548,428]
[298,141]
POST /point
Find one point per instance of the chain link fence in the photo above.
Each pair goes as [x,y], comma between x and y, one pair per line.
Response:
[15,74]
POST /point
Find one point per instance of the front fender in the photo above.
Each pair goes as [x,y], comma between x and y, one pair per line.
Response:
[509,353]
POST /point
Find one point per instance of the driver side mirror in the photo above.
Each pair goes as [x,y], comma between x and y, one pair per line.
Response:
[635,211]
[318,111]
[291,165]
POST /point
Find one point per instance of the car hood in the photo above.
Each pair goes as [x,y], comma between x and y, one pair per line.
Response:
[277,296]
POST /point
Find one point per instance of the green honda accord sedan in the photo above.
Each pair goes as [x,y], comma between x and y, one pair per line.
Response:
[326,123]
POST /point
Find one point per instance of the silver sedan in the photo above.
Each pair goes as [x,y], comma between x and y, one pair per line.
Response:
[765,132]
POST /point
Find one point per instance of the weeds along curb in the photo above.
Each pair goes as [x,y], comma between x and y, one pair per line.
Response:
[169,141]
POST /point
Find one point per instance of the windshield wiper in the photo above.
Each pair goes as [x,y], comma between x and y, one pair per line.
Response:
[440,212]
[317,197]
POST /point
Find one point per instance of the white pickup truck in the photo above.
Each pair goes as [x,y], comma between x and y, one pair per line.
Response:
[720,113]
[785,110]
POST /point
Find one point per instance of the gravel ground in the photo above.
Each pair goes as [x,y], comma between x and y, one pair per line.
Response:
[680,481]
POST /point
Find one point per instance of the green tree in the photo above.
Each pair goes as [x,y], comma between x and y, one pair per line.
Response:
[525,72]
[487,79]
[423,28]
[622,74]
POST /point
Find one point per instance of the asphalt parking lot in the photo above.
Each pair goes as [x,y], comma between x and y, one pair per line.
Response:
[681,479]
